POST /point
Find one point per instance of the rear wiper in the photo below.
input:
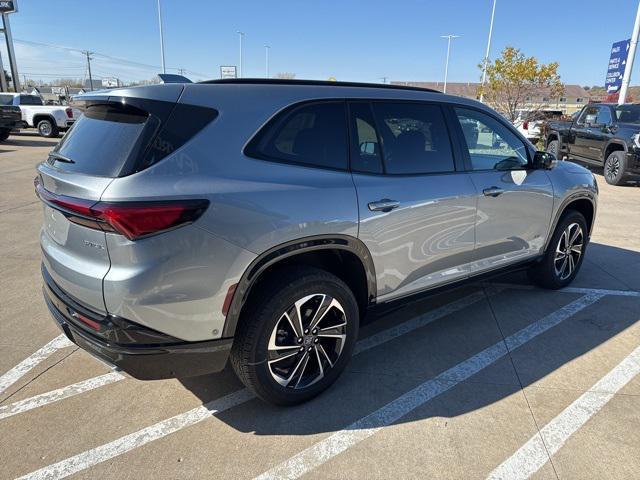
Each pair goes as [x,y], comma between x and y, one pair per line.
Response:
[61,158]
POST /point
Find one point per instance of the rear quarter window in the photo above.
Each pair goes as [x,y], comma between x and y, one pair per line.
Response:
[312,134]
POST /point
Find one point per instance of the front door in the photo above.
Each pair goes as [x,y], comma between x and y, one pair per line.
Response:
[514,201]
[417,211]
[582,135]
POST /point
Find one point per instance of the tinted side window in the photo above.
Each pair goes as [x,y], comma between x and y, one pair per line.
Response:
[365,146]
[604,116]
[414,138]
[491,145]
[30,100]
[587,111]
[311,134]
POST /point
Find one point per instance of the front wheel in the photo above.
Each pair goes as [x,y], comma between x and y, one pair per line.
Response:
[614,168]
[4,134]
[565,253]
[296,336]
[47,129]
[553,147]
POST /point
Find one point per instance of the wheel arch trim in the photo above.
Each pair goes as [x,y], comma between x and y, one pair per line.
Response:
[290,249]
[563,208]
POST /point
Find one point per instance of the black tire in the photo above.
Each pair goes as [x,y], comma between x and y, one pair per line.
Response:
[4,134]
[615,166]
[552,147]
[47,129]
[546,273]
[257,327]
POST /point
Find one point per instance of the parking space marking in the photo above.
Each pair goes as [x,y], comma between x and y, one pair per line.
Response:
[533,454]
[17,372]
[134,440]
[365,427]
[59,394]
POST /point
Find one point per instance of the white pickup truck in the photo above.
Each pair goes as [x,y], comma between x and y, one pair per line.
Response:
[50,120]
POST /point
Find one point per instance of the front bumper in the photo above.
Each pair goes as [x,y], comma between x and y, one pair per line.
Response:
[633,162]
[141,352]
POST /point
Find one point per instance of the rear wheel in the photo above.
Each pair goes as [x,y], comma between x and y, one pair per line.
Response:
[4,134]
[296,336]
[47,129]
[565,253]
[614,168]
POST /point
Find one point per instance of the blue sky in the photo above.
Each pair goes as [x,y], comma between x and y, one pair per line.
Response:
[349,40]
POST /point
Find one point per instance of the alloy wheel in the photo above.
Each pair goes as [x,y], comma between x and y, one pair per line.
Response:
[45,128]
[307,341]
[568,251]
[611,168]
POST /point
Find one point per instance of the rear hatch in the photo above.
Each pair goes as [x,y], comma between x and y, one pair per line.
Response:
[109,141]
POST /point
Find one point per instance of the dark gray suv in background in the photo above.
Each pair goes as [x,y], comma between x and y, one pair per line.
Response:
[259,220]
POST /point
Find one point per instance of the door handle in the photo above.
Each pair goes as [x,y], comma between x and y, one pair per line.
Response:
[384,205]
[492,191]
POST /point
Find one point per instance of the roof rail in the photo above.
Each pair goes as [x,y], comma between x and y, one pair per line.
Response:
[324,83]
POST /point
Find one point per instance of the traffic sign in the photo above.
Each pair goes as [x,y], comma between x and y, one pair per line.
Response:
[228,71]
[617,64]
[8,6]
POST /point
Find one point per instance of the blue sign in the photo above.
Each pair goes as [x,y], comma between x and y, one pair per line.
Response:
[617,63]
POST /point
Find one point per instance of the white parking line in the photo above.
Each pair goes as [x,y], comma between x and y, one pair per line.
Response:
[533,454]
[13,375]
[122,445]
[365,427]
[59,394]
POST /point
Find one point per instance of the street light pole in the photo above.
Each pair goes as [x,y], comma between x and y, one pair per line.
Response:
[240,63]
[486,56]
[632,53]
[266,60]
[164,70]
[446,65]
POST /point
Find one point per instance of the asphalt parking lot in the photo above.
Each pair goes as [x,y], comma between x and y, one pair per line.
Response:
[498,379]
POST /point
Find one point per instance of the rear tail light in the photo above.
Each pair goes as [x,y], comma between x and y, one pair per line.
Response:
[525,125]
[134,220]
[69,112]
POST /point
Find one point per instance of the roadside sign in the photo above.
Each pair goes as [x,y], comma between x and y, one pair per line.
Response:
[228,71]
[617,64]
[8,6]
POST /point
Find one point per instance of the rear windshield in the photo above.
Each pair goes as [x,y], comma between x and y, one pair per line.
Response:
[101,141]
[6,99]
[628,113]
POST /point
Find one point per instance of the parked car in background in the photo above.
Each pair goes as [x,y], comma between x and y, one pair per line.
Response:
[604,134]
[49,120]
[10,117]
[530,123]
[258,221]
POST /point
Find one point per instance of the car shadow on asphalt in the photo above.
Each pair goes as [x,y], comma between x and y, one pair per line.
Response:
[384,373]
[14,141]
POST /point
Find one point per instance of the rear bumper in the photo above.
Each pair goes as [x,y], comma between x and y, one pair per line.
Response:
[143,353]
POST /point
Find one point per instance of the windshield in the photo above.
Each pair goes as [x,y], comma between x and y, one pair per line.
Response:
[628,113]
[6,99]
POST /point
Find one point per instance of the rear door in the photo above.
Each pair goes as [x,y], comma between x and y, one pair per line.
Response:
[100,147]
[417,210]
[514,201]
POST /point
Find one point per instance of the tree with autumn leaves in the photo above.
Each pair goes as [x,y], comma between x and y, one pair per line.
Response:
[516,82]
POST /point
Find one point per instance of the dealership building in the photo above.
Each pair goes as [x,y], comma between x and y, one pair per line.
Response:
[572,100]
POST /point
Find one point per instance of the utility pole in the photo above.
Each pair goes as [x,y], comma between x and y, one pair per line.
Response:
[240,72]
[384,79]
[632,53]
[11,52]
[486,56]
[446,65]
[161,37]
[266,61]
[88,54]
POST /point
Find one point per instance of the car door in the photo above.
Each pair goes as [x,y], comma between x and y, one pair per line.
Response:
[581,132]
[417,207]
[599,133]
[514,202]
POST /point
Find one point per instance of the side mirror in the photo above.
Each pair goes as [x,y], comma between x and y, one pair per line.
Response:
[543,160]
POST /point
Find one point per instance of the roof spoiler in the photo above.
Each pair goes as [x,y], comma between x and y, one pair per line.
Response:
[173,78]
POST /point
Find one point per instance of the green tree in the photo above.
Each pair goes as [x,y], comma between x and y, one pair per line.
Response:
[517,82]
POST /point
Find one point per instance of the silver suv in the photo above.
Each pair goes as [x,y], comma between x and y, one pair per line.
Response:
[259,220]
